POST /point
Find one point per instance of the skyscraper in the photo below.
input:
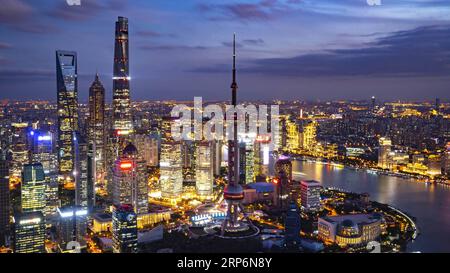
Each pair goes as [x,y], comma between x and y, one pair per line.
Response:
[383,152]
[67,97]
[308,136]
[42,151]
[96,131]
[310,195]
[29,232]
[121,79]
[72,226]
[83,172]
[292,225]
[124,229]
[130,185]
[4,201]
[171,172]
[283,165]
[33,188]
[447,159]
[204,169]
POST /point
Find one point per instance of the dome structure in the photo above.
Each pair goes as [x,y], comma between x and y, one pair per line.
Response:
[130,150]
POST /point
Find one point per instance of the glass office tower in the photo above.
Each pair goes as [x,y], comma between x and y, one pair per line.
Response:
[67,97]
[122,120]
[33,196]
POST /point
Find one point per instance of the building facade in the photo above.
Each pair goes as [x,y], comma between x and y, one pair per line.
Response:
[67,98]
[96,129]
[310,195]
[4,201]
[33,197]
[124,229]
[122,119]
[29,232]
[130,180]
[204,169]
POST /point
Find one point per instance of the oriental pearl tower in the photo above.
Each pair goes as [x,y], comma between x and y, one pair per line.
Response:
[233,192]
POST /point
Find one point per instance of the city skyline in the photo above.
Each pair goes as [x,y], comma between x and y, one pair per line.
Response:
[108,168]
[393,52]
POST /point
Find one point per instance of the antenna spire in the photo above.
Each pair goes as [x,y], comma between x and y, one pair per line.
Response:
[234,84]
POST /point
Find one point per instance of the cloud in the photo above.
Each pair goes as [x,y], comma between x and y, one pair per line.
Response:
[5,45]
[260,11]
[254,42]
[153,34]
[14,11]
[424,51]
[171,47]
[27,74]
[230,44]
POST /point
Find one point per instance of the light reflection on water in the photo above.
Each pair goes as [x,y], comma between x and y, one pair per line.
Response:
[430,204]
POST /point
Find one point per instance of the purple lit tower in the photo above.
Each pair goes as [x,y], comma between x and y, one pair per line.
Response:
[233,192]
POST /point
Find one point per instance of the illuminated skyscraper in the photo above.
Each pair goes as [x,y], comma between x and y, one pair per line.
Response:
[19,157]
[292,138]
[29,232]
[96,131]
[42,151]
[67,90]
[33,188]
[383,152]
[130,185]
[122,119]
[72,226]
[84,173]
[204,169]
[147,147]
[124,229]
[4,201]
[284,165]
[310,195]
[262,155]
[171,172]
[447,159]
[308,136]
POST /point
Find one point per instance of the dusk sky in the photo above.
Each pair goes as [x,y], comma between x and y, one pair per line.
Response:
[287,49]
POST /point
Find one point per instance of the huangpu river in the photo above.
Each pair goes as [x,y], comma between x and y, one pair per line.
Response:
[429,203]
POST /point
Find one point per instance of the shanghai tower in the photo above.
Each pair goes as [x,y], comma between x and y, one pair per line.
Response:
[122,122]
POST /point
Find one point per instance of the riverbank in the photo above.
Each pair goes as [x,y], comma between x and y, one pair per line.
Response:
[374,171]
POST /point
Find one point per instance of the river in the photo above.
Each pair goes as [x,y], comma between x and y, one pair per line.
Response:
[430,204]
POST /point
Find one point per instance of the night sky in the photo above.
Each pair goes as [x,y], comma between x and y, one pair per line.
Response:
[287,49]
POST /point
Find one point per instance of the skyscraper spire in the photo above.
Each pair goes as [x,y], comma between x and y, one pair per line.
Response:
[234,84]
